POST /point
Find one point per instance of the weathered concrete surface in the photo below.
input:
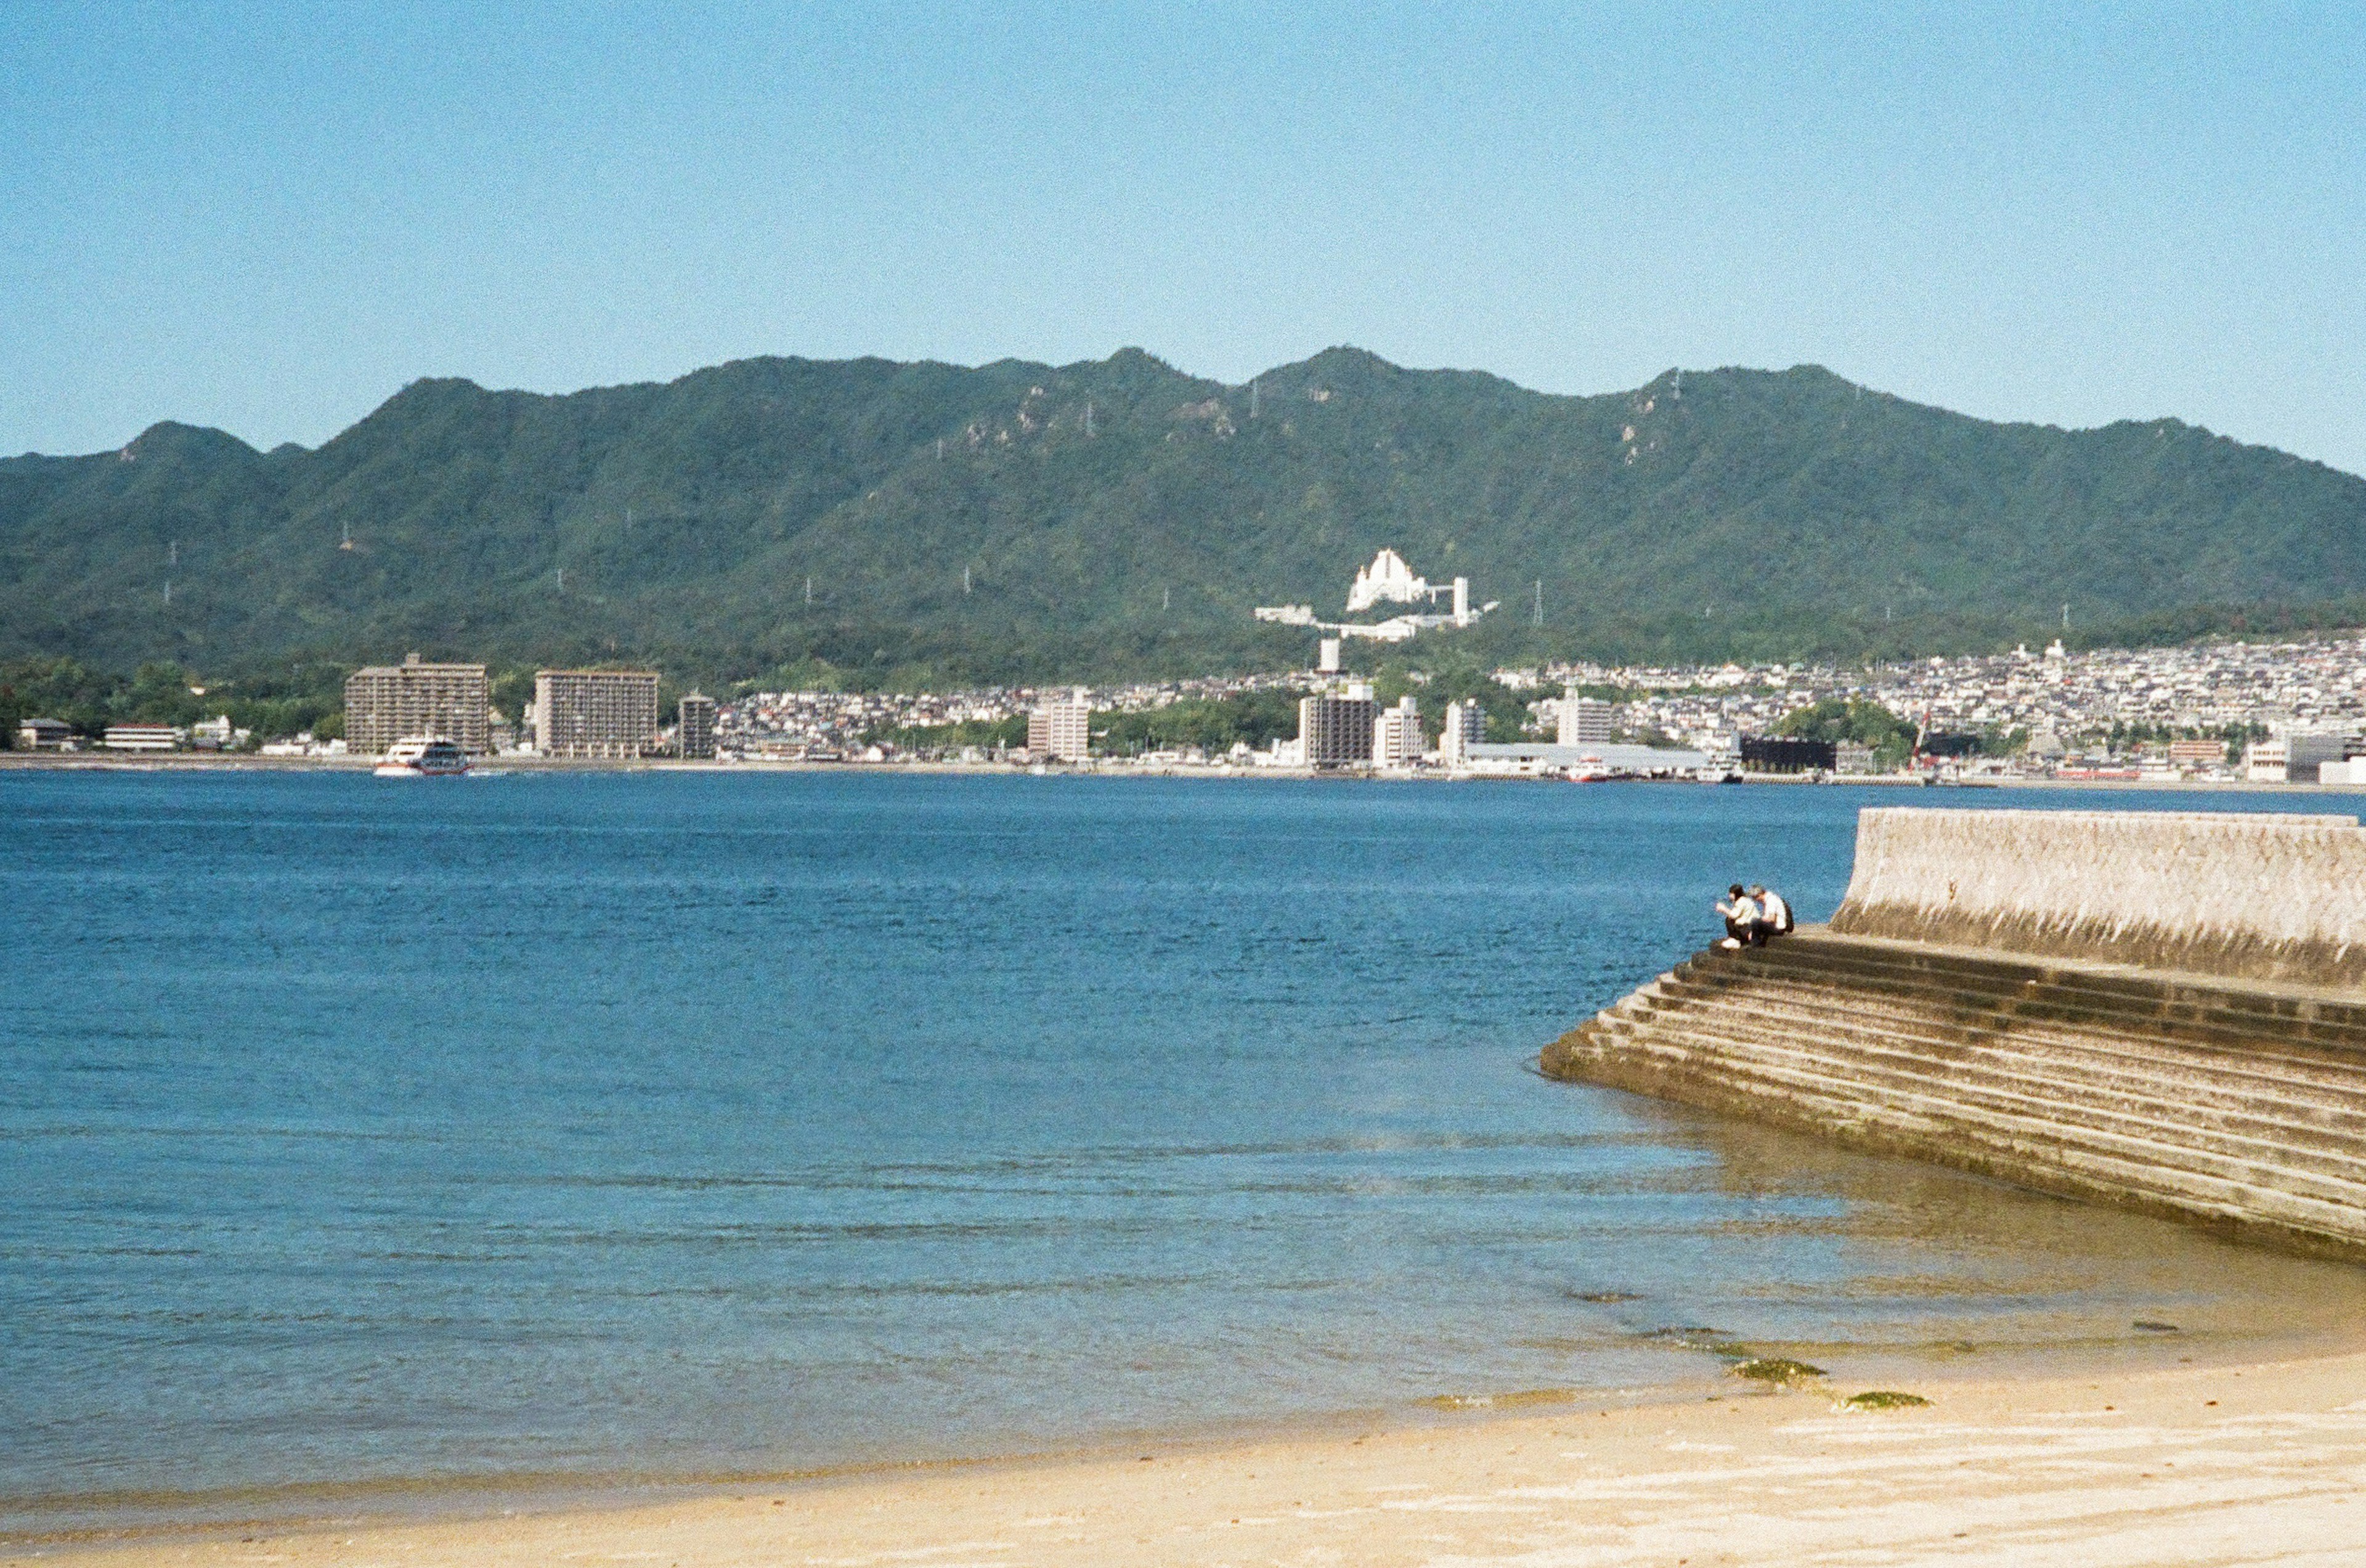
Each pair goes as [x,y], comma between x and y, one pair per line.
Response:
[2052,1039]
[2249,894]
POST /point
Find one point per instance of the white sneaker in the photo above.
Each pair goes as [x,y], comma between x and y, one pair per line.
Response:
[1728,942]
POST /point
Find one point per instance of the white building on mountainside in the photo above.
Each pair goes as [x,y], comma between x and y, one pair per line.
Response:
[1388,580]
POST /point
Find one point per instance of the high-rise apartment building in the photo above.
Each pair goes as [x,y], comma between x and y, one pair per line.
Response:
[1584,721]
[1466,726]
[1060,729]
[1397,739]
[694,729]
[387,702]
[595,713]
[1338,730]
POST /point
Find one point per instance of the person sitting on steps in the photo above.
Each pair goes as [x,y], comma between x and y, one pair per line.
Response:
[1741,919]
[1773,914]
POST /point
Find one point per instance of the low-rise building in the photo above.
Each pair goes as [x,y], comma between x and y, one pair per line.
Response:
[142,737]
[2197,753]
[1788,754]
[45,735]
[595,713]
[2306,752]
[2265,761]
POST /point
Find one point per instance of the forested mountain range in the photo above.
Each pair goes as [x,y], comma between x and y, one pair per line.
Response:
[1118,516]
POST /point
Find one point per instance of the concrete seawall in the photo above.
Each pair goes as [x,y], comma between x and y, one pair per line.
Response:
[2151,1011]
[2252,895]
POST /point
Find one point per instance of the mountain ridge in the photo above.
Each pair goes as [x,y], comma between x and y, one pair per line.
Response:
[1122,514]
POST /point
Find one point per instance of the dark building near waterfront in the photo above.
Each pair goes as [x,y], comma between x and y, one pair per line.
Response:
[1337,732]
[1785,754]
[695,729]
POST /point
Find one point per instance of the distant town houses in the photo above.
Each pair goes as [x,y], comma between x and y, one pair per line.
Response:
[2291,712]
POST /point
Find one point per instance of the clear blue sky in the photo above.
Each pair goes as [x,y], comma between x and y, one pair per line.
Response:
[271,218]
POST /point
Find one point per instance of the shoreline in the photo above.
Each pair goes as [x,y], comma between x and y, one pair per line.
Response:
[2151,1465]
[87,761]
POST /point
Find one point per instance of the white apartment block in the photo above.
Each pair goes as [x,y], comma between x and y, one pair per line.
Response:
[1397,739]
[1584,721]
[1466,726]
[1060,730]
[595,713]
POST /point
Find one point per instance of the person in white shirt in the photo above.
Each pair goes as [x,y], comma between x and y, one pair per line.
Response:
[1740,918]
[1773,914]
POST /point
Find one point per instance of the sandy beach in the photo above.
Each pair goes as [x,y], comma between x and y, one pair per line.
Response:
[2233,1464]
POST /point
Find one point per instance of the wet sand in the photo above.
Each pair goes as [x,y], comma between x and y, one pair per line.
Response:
[2223,1464]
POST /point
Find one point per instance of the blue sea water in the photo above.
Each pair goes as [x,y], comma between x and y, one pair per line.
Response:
[646,1125]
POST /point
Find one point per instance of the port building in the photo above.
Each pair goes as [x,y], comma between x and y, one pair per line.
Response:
[1060,728]
[1534,757]
[694,726]
[595,713]
[386,702]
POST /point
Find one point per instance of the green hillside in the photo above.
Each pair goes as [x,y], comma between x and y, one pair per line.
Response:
[1731,513]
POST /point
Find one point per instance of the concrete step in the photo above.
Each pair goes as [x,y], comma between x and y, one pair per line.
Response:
[2330,1068]
[2171,1002]
[2034,1157]
[1884,1062]
[2073,1071]
[2167,1167]
[2331,1096]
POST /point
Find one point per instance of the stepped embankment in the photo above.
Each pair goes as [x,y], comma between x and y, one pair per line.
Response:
[2154,1011]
